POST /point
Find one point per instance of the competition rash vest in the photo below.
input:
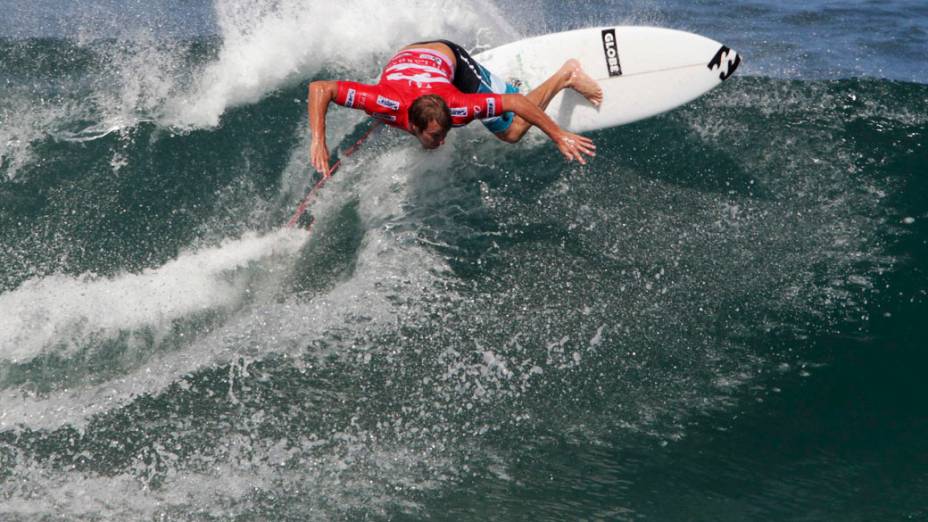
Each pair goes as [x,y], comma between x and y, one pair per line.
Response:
[412,73]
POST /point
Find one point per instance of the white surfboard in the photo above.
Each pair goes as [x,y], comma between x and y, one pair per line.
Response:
[643,71]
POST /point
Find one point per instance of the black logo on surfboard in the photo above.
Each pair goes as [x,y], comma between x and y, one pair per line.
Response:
[611,51]
[724,53]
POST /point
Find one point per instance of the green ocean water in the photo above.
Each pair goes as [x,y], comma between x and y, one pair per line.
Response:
[719,318]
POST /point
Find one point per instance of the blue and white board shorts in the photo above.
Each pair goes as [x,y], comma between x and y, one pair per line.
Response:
[472,78]
[494,84]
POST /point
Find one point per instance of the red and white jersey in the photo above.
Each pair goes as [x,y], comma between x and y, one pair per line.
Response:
[412,73]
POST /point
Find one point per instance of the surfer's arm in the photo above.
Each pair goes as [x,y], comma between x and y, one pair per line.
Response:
[320,94]
[572,146]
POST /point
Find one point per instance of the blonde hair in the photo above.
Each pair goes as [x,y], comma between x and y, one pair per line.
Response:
[430,107]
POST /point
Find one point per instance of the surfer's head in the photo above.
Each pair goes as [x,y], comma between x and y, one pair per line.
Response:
[430,120]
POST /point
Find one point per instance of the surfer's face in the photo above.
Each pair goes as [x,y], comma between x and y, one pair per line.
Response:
[433,135]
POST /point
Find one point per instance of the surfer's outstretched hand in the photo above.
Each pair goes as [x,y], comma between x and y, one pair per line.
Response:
[573,146]
[319,155]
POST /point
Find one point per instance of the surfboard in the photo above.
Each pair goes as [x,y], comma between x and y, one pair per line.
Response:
[643,71]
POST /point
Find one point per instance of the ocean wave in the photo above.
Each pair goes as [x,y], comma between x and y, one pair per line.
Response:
[448,307]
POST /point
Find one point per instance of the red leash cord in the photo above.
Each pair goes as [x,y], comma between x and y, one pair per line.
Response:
[301,209]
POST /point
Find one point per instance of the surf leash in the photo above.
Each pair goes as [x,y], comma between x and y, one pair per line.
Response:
[311,196]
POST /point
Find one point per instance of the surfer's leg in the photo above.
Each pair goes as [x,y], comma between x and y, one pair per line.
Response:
[570,75]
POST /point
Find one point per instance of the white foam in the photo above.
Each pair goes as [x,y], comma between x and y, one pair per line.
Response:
[335,472]
[61,311]
[24,120]
[265,48]
[364,301]
[389,265]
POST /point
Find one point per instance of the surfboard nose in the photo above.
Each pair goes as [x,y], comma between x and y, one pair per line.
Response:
[726,61]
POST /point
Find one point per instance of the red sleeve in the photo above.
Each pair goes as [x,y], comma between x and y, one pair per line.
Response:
[356,95]
[468,107]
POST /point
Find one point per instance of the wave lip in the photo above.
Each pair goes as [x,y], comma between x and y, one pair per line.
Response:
[268,48]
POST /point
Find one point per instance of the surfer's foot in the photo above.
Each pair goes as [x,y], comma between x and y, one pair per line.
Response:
[580,81]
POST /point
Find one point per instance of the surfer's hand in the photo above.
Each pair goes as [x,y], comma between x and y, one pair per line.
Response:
[319,155]
[573,146]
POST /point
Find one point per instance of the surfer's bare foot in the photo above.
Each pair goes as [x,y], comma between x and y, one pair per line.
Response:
[580,81]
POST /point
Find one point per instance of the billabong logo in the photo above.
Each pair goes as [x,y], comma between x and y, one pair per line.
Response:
[349,100]
[393,105]
[458,112]
[611,51]
[730,65]
[491,107]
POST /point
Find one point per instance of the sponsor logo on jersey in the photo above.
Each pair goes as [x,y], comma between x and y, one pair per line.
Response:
[384,117]
[458,112]
[349,100]
[611,51]
[383,101]
[491,107]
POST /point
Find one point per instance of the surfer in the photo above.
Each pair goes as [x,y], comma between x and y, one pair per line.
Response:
[429,87]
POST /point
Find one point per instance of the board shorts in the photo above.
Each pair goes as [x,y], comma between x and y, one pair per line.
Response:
[472,78]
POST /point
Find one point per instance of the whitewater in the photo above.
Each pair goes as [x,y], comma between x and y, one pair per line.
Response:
[719,317]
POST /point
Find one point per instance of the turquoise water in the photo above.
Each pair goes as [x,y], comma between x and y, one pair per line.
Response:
[719,318]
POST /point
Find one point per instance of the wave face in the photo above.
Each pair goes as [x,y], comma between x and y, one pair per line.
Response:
[733,289]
